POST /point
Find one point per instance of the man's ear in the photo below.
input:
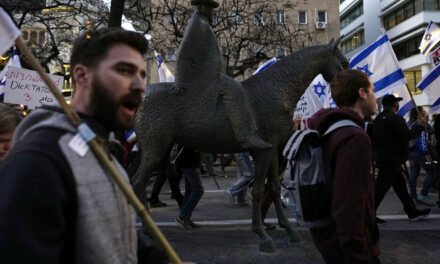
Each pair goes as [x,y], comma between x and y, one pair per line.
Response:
[362,93]
[81,75]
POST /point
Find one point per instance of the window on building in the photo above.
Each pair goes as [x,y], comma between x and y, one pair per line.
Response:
[408,48]
[25,35]
[280,17]
[341,1]
[321,16]
[281,52]
[353,42]
[234,17]
[412,79]
[431,5]
[215,18]
[402,13]
[171,54]
[259,19]
[351,15]
[302,17]
[34,35]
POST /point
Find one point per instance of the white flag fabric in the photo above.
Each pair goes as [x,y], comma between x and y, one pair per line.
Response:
[430,85]
[8,31]
[13,61]
[379,62]
[265,65]
[406,104]
[430,38]
[313,99]
[165,74]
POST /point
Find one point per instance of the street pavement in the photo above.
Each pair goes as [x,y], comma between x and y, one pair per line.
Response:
[226,236]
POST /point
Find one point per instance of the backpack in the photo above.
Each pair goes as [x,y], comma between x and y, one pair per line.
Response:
[304,177]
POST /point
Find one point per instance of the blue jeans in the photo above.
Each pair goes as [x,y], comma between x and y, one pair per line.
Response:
[416,162]
[245,172]
[193,191]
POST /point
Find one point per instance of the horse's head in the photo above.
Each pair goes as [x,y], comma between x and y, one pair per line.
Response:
[335,63]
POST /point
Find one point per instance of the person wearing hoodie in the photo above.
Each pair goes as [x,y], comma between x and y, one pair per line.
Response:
[352,236]
[58,203]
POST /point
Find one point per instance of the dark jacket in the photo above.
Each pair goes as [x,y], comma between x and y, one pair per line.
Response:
[390,138]
[353,235]
[58,205]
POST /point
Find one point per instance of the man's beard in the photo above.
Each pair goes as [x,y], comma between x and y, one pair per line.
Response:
[104,107]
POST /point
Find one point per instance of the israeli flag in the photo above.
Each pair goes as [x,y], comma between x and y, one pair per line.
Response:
[130,135]
[13,61]
[430,38]
[8,31]
[379,62]
[313,99]
[165,74]
[266,65]
[430,85]
[407,103]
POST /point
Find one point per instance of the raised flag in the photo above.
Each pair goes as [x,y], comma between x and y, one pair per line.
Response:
[165,74]
[430,85]
[379,62]
[8,31]
[13,61]
[265,65]
[430,38]
[313,99]
[407,103]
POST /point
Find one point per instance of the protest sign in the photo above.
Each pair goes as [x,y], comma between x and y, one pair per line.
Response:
[28,88]
[435,56]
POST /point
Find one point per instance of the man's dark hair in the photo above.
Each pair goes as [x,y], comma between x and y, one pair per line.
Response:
[91,47]
[345,87]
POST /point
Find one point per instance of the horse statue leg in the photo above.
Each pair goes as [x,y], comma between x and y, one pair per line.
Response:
[155,142]
[263,160]
[275,188]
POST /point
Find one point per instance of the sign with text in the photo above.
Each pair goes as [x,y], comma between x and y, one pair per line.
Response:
[435,56]
[28,88]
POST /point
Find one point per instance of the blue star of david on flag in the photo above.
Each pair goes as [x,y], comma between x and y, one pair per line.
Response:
[380,64]
[319,89]
[365,70]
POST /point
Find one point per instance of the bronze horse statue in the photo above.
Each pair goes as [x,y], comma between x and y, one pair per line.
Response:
[192,114]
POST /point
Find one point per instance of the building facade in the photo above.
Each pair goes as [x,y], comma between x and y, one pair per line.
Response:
[294,24]
[404,21]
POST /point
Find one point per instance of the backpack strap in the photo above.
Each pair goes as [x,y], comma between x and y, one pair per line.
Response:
[295,141]
[339,124]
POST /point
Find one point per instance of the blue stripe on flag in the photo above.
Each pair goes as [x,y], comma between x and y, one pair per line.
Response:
[435,107]
[436,103]
[366,52]
[406,108]
[159,60]
[266,65]
[128,134]
[388,80]
[429,78]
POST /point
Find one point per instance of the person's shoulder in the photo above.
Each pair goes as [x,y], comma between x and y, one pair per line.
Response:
[43,141]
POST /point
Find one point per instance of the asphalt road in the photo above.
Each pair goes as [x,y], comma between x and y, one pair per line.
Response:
[226,236]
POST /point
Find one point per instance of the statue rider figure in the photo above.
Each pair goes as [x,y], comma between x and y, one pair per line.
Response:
[200,56]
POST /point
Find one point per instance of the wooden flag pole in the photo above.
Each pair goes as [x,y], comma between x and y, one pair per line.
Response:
[101,155]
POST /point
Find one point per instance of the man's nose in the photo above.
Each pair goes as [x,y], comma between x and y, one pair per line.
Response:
[139,84]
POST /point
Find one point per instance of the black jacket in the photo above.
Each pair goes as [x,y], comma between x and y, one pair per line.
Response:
[390,138]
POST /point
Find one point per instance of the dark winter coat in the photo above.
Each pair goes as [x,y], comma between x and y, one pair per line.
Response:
[390,138]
